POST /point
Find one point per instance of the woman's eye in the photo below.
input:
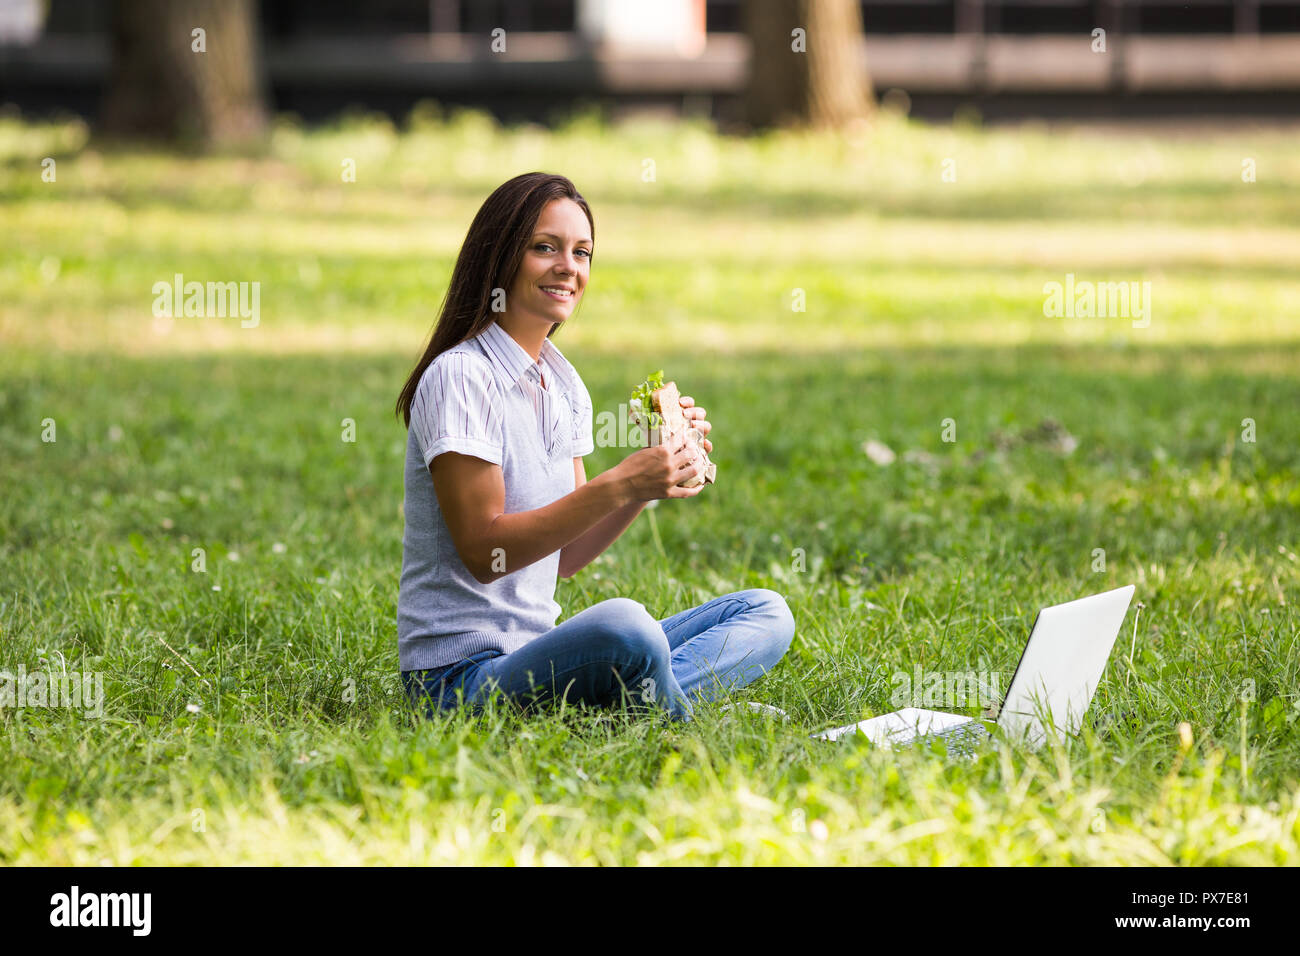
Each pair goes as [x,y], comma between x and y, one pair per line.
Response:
[547,247]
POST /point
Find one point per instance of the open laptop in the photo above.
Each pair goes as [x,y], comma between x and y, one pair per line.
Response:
[1050,690]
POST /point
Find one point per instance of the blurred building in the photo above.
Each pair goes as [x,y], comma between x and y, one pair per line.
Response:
[1099,57]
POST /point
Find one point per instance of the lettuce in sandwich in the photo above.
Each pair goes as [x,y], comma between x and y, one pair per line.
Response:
[641,403]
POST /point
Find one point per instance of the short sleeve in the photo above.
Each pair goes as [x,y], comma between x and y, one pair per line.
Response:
[580,405]
[457,407]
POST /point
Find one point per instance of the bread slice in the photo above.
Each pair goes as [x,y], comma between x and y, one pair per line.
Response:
[667,402]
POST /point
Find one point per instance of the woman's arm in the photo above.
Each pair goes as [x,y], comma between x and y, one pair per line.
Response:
[472,496]
[491,543]
[585,548]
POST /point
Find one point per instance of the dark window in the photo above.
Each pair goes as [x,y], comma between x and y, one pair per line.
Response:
[1076,18]
[1184,18]
[926,16]
[1280,18]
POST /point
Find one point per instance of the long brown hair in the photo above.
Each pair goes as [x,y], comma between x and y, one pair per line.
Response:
[489,259]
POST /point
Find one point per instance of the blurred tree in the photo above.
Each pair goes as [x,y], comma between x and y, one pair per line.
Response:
[817,77]
[185,71]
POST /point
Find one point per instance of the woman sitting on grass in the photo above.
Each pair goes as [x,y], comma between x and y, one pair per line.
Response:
[497,501]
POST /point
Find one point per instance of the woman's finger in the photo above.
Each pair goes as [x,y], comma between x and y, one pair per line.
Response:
[688,470]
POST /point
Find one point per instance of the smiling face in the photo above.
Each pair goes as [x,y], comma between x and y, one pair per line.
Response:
[556,264]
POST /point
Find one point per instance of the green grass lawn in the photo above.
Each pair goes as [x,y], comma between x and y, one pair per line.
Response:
[253,712]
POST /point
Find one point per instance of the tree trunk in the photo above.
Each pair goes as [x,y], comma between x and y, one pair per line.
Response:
[162,86]
[822,82]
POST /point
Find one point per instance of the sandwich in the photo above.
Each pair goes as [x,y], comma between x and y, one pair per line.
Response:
[656,407]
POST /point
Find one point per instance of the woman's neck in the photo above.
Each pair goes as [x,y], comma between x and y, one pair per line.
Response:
[530,338]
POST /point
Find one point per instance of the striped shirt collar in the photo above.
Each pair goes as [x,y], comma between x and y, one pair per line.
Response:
[512,361]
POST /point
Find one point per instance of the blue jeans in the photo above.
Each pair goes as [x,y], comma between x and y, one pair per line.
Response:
[616,650]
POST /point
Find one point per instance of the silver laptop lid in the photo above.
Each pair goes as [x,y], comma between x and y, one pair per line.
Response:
[1062,665]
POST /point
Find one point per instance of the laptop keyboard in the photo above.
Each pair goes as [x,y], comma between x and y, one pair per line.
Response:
[963,739]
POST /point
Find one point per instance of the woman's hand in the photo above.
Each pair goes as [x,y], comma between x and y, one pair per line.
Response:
[695,417]
[656,471]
